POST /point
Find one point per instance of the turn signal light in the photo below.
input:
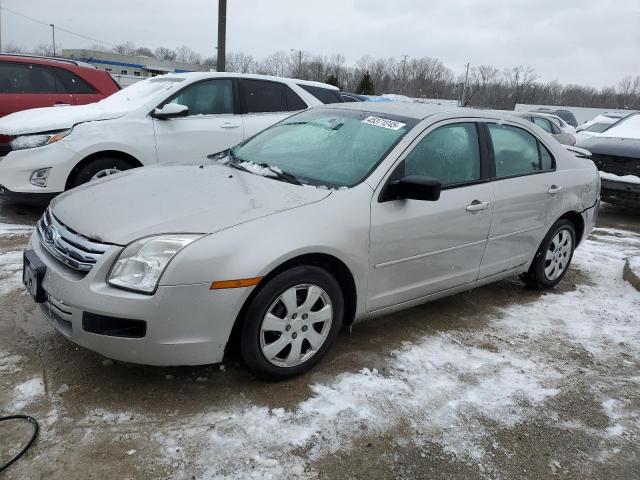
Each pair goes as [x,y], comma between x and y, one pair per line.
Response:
[243,282]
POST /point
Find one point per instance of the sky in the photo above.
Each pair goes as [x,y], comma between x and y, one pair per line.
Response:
[591,42]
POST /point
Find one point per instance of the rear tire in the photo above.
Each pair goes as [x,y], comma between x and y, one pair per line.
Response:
[553,257]
[291,323]
[98,168]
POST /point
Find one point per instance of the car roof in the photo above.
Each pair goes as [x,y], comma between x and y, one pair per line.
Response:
[41,60]
[420,111]
[203,75]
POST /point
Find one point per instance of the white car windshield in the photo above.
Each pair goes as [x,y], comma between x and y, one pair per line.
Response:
[139,93]
[327,147]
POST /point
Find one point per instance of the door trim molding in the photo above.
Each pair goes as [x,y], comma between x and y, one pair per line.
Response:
[429,254]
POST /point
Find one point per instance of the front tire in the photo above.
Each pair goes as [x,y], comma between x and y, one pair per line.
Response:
[291,323]
[553,257]
[99,168]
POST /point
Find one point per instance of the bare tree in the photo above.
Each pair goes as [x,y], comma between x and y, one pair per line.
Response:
[519,79]
[164,53]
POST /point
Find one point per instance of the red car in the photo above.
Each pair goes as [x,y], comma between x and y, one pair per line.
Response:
[32,81]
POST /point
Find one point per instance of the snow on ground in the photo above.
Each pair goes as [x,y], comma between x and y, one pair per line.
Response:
[10,271]
[26,393]
[11,229]
[634,265]
[447,388]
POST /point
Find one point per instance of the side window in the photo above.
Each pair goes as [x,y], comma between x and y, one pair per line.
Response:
[211,97]
[517,152]
[24,78]
[545,157]
[73,83]
[294,102]
[325,95]
[262,96]
[543,123]
[450,153]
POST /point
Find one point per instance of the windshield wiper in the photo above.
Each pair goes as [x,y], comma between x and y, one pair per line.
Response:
[285,176]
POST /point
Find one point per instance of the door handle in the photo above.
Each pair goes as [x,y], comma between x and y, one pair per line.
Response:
[477,205]
[60,104]
[554,189]
[230,125]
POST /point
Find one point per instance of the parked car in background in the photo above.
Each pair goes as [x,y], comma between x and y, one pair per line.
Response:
[353,97]
[603,121]
[28,81]
[334,215]
[177,117]
[566,115]
[616,153]
[549,124]
[564,126]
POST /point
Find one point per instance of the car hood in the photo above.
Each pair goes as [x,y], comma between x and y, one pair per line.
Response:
[172,199]
[50,119]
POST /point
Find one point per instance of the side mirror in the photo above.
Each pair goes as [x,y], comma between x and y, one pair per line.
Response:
[417,187]
[170,110]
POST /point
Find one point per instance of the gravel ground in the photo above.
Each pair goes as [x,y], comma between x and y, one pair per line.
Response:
[500,382]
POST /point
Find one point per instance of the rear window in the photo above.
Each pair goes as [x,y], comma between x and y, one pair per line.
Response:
[72,82]
[325,95]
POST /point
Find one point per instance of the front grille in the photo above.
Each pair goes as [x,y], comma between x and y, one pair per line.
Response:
[68,247]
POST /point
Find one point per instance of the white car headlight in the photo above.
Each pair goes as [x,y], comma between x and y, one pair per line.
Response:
[39,140]
[141,264]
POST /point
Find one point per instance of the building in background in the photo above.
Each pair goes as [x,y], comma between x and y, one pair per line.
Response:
[129,68]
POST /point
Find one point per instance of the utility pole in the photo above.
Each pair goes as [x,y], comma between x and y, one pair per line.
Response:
[53,33]
[404,73]
[464,87]
[222,35]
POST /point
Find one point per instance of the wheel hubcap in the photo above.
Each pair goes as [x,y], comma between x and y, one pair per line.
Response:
[558,254]
[296,325]
[104,173]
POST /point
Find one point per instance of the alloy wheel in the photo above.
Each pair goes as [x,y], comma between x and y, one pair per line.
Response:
[296,325]
[558,254]
[104,173]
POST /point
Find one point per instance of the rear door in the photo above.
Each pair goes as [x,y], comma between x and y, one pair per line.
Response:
[527,197]
[209,127]
[418,248]
[24,86]
[264,103]
[82,91]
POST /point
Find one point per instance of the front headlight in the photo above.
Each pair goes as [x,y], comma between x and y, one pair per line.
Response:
[39,140]
[141,264]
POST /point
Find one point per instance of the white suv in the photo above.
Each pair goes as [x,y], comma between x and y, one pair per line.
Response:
[172,118]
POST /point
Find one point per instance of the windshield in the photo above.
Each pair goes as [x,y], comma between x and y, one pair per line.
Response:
[330,147]
[139,93]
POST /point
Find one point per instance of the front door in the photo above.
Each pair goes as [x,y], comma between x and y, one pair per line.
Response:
[418,248]
[209,127]
[24,86]
[527,198]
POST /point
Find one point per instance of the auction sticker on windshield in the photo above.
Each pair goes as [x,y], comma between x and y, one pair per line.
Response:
[384,123]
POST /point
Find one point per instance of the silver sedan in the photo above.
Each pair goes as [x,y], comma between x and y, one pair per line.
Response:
[332,216]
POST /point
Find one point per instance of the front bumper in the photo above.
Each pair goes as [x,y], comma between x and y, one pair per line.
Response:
[17,166]
[31,199]
[620,193]
[184,324]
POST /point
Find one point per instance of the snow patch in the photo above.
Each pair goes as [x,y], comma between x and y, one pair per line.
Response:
[9,363]
[26,393]
[10,271]
[11,229]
